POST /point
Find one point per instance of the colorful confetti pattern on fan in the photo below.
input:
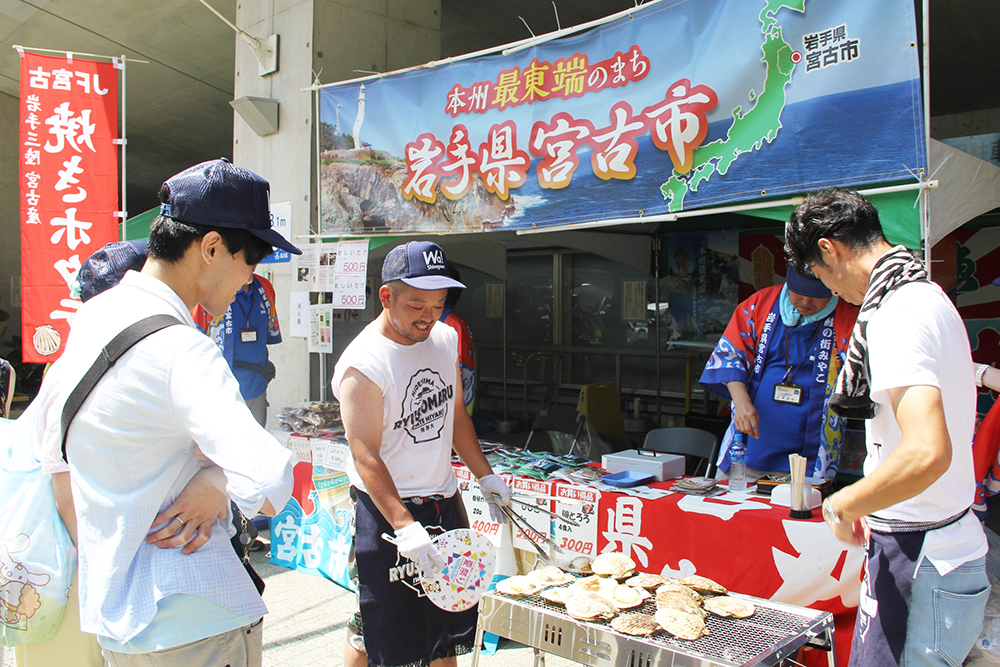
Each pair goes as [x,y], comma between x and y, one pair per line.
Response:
[470,559]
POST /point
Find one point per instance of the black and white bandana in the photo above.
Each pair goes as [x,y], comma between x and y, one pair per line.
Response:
[851,398]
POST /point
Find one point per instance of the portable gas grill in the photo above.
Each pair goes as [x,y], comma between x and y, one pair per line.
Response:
[771,636]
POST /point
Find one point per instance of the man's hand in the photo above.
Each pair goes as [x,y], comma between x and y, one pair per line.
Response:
[414,543]
[745,416]
[188,521]
[497,494]
[855,532]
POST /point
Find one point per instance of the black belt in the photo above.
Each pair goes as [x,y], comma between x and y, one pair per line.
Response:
[420,500]
[888,526]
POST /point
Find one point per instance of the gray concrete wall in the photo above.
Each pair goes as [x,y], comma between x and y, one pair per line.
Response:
[10,229]
[337,38]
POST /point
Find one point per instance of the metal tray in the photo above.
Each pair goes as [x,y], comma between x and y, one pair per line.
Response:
[775,632]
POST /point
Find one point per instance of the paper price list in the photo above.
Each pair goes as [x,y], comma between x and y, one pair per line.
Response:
[579,504]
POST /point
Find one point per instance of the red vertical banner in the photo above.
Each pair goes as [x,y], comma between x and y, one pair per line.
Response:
[68,186]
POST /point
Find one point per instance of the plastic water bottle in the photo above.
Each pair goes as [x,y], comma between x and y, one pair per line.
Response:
[738,463]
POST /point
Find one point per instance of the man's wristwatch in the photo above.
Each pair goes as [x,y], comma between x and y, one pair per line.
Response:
[830,515]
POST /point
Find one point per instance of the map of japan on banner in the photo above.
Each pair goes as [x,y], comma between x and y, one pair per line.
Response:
[68,187]
[681,104]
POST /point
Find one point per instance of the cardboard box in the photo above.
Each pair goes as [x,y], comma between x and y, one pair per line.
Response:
[664,466]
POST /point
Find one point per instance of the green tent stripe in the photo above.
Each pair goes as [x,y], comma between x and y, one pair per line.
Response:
[897,211]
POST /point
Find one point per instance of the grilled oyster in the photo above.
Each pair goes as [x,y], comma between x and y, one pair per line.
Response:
[703,585]
[635,624]
[549,576]
[645,580]
[586,607]
[613,564]
[680,589]
[681,624]
[727,606]
[518,585]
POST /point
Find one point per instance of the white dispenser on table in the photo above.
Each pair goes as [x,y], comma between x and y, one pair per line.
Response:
[663,466]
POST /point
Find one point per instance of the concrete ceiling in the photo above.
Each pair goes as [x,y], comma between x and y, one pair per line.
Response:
[177,104]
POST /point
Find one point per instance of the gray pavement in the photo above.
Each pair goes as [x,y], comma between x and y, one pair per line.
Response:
[306,623]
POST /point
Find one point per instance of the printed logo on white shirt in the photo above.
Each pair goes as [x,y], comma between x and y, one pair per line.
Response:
[425,405]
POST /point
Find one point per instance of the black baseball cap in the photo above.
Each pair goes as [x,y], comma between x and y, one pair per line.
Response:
[217,193]
[419,264]
[107,266]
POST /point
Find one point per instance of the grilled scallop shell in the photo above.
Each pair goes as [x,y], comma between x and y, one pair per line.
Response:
[586,607]
[556,594]
[681,624]
[613,564]
[624,597]
[727,606]
[680,589]
[518,585]
[669,600]
[549,576]
[638,625]
[645,580]
[703,585]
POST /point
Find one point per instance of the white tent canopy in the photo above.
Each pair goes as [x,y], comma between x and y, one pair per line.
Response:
[969,188]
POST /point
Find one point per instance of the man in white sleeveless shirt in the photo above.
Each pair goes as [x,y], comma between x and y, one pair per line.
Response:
[400,391]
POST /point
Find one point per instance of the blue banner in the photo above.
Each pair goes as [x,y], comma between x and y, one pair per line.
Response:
[682,104]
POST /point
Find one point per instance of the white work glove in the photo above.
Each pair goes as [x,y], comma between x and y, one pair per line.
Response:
[413,542]
[496,493]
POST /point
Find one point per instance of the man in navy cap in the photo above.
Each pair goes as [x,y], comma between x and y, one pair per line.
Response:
[171,596]
[400,391]
[776,362]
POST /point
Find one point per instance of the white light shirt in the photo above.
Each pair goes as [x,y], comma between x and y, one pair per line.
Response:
[131,452]
[418,398]
[917,338]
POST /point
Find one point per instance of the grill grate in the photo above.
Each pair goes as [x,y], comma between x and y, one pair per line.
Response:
[773,631]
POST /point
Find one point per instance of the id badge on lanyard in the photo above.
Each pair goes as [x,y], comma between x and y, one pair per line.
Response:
[787,392]
[248,335]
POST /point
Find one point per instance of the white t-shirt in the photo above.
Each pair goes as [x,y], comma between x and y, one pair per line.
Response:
[915,338]
[418,401]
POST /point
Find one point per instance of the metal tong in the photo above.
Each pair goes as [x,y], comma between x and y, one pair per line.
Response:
[564,519]
[529,534]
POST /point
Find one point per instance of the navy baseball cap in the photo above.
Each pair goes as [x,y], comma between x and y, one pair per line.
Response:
[419,264]
[217,193]
[807,286]
[106,266]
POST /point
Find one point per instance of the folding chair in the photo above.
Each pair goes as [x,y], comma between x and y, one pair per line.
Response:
[691,442]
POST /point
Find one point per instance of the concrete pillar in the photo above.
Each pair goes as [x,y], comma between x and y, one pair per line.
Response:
[315,35]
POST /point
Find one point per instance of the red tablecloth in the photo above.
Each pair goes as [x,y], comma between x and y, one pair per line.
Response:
[739,540]
[742,542]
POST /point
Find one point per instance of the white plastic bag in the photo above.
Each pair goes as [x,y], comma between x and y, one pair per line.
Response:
[37,556]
